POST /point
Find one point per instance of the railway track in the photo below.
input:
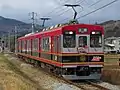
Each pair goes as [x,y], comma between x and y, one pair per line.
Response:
[84,85]
[87,85]
[94,83]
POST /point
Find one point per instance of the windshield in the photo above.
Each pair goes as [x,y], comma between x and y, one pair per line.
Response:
[69,40]
[82,41]
[96,41]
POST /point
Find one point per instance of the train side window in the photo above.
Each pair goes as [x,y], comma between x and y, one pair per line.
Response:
[28,46]
[23,47]
[46,44]
[35,44]
[20,46]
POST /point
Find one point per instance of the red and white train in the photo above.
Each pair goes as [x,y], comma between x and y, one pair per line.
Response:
[72,51]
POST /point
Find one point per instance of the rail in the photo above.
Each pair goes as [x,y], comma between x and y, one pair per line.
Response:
[93,85]
[96,85]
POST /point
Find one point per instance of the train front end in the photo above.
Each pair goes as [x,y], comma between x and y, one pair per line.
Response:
[82,51]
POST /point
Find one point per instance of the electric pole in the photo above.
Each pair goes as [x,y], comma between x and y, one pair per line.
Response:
[15,33]
[73,7]
[0,41]
[3,42]
[44,19]
[33,14]
[9,38]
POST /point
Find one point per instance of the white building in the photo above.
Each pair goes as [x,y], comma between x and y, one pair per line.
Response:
[112,44]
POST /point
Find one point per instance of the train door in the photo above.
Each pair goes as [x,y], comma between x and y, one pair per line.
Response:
[31,46]
[82,44]
[57,44]
[39,47]
[20,46]
[56,47]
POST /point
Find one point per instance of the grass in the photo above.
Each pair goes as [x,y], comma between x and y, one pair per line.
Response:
[11,78]
[111,70]
[111,60]
[111,75]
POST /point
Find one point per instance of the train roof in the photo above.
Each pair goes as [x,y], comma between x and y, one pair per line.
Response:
[60,27]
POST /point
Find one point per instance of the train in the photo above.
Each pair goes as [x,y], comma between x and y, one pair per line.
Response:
[72,51]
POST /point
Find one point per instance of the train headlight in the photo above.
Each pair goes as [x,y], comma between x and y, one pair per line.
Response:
[93,32]
[70,32]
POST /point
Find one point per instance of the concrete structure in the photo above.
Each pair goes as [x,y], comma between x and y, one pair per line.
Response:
[112,45]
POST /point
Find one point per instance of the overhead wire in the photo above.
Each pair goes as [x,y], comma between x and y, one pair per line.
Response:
[88,7]
[66,10]
[97,9]
[55,10]
[58,7]
[95,3]
[79,2]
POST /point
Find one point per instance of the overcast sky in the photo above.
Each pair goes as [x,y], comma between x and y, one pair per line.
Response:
[20,9]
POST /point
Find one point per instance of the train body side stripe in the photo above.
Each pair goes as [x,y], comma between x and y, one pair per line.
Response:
[61,64]
[42,60]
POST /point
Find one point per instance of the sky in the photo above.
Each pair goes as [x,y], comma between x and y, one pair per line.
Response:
[55,9]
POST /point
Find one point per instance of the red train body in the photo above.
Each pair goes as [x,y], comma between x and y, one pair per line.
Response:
[72,51]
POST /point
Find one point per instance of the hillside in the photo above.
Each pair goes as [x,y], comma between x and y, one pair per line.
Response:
[112,28]
[7,25]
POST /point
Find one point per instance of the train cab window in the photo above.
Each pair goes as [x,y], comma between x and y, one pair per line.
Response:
[69,39]
[82,41]
[95,39]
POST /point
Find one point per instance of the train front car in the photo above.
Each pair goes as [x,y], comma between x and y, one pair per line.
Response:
[82,51]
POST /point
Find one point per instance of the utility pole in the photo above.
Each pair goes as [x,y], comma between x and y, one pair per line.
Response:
[3,42]
[33,14]
[15,33]
[44,19]
[73,7]
[0,41]
[9,38]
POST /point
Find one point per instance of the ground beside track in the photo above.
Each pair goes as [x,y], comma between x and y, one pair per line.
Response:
[111,73]
[27,77]
[111,70]
[11,78]
[39,77]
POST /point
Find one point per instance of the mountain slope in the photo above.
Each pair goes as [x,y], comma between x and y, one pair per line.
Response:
[7,21]
[112,28]
[7,25]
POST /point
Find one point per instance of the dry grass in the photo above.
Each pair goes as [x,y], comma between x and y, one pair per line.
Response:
[12,79]
[111,70]
[112,76]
